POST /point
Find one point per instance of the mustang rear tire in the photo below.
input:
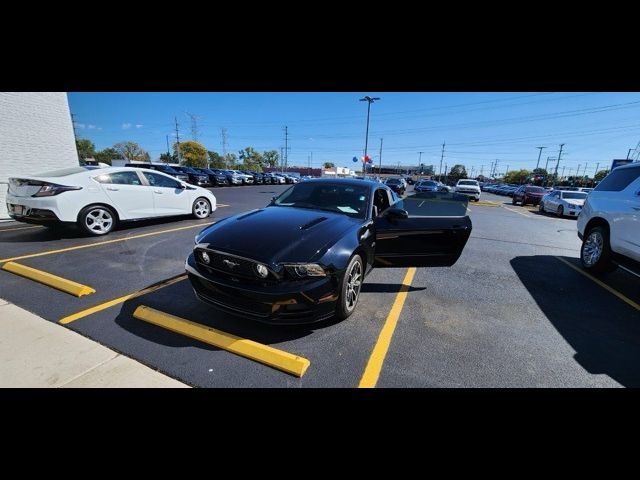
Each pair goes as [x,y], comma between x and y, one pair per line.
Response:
[350,288]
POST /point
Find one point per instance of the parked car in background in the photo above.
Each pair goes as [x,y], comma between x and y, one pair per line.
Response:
[396,184]
[167,169]
[278,179]
[563,203]
[216,176]
[320,240]
[469,188]
[96,200]
[609,225]
[194,178]
[528,194]
[427,186]
[233,178]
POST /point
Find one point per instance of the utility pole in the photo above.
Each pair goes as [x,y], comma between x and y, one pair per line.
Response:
[441,157]
[563,167]
[286,148]
[555,176]
[594,175]
[369,101]
[495,168]
[539,154]
[178,142]
[168,151]
[281,160]
[481,170]
[380,160]
[194,126]
[577,170]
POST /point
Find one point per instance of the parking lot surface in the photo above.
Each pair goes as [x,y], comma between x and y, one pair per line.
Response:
[514,311]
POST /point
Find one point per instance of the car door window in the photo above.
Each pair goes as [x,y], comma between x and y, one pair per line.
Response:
[434,205]
[380,202]
[119,178]
[618,180]
[156,180]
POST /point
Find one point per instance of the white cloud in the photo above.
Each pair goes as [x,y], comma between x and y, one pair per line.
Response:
[126,125]
[80,125]
[139,126]
[91,127]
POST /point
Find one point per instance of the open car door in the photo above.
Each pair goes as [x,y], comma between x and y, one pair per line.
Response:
[423,230]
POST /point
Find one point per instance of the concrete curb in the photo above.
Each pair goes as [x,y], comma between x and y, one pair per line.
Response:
[36,353]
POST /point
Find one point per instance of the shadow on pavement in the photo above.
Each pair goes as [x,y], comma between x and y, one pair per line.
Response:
[179,300]
[386,288]
[66,232]
[603,330]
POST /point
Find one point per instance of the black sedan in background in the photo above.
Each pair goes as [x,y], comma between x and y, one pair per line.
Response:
[396,184]
[303,258]
[195,178]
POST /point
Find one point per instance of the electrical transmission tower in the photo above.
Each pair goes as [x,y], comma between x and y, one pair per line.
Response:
[194,126]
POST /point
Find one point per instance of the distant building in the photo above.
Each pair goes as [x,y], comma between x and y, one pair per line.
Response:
[36,135]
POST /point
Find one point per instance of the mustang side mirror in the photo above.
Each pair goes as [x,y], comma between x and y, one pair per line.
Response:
[396,213]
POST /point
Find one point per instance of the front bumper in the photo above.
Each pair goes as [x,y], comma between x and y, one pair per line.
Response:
[474,195]
[286,303]
[572,212]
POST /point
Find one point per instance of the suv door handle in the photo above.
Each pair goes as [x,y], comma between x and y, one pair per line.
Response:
[113,189]
[158,191]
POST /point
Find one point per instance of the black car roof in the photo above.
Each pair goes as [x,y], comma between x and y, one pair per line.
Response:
[372,184]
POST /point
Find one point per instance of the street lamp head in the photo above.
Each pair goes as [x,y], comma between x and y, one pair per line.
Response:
[369,99]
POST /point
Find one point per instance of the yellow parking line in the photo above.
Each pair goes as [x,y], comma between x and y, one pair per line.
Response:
[486,203]
[273,357]
[48,279]
[519,213]
[106,242]
[19,228]
[374,365]
[602,284]
[103,306]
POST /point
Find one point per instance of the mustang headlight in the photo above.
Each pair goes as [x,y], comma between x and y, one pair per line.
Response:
[306,270]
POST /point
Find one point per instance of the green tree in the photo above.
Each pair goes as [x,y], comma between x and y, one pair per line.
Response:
[107,155]
[131,151]
[86,148]
[457,172]
[539,171]
[251,159]
[167,158]
[600,175]
[271,158]
[193,154]
[517,176]
[216,160]
[231,160]
[328,165]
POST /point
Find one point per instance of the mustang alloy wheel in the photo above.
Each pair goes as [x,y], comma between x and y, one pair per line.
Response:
[351,285]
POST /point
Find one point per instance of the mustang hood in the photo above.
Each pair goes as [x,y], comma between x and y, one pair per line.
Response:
[277,234]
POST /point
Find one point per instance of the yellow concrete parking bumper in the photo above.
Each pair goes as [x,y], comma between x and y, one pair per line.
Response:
[273,357]
[48,279]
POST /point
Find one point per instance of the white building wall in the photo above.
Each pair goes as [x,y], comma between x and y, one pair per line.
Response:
[36,135]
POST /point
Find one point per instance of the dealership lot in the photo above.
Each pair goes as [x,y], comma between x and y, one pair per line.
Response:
[514,311]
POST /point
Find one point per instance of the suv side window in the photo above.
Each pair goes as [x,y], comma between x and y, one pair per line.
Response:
[156,180]
[618,180]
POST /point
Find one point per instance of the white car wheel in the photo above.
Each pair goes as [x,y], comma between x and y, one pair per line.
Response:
[201,208]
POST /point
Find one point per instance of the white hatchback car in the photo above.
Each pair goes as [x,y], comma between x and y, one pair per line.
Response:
[97,199]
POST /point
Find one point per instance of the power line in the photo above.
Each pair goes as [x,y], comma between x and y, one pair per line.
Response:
[178,142]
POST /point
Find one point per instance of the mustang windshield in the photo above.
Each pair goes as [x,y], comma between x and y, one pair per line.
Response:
[351,200]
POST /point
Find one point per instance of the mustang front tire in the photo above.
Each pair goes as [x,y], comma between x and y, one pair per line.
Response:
[350,288]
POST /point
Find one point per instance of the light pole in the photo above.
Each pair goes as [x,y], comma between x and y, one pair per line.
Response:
[369,101]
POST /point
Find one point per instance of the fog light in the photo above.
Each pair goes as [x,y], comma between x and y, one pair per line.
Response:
[262,270]
[205,257]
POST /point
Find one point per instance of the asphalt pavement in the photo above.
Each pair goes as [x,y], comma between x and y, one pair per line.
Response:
[512,312]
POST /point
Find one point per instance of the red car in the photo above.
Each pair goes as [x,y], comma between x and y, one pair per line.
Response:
[528,194]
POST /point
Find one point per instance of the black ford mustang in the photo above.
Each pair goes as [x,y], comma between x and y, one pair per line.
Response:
[303,257]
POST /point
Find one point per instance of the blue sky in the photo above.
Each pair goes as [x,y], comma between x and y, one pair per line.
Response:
[478,128]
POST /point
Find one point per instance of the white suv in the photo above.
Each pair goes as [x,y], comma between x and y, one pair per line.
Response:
[609,224]
[468,187]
